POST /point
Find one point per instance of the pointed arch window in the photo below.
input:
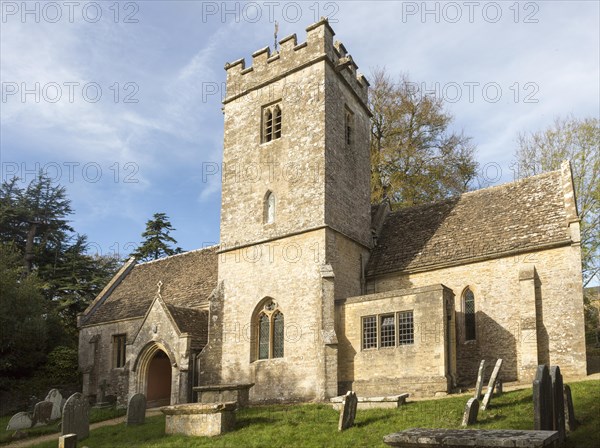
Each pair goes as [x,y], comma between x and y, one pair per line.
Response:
[271,123]
[269,208]
[270,328]
[469,312]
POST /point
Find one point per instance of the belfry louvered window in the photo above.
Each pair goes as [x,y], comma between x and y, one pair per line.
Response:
[271,332]
[469,311]
[271,123]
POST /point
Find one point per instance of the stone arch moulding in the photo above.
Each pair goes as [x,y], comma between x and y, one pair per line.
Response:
[142,363]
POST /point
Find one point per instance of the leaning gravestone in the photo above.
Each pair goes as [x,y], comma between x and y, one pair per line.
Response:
[490,390]
[136,410]
[42,413]
[76,416]
[57,403]
[542,400]
[471,410]
[348,411]
[479,384]
[21,420]
[558,403]
[570,421]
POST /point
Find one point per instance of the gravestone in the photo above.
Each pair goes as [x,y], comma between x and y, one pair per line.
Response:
[42,413]
[348,411]
[542,400]
[490,390]
[57,403]
[21,420]
[471,410]
[499,388]
[136,410]
[67,441]
[102,401]
[570,421]
[76,416]
[479,384]
[558,402]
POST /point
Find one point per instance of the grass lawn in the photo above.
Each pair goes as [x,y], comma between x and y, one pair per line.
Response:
[96,415]
[315,425]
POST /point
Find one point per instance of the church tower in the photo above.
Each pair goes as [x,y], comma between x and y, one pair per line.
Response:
[295,217]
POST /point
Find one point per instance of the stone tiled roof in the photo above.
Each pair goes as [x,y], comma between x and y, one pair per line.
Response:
[192,321]
[522,215]
[188,279]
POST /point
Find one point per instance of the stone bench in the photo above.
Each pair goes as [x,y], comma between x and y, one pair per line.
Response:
[199,419]
[389,402]
[220,393]
[470,438]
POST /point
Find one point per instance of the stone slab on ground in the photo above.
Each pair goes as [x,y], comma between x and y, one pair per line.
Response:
[387,402]
[136,410]
[224,393]
[471,411]
[482,438]
[56,398]
[200,419]
[21,420]
[76,416]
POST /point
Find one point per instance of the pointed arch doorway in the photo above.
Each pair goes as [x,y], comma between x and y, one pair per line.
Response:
[158,389]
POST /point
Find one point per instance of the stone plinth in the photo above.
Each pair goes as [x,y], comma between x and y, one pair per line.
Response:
[389,402]
[199,419]
[223,393]
[461,438]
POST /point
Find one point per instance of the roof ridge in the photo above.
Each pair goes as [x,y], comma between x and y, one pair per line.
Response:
[477,191]
[144,263]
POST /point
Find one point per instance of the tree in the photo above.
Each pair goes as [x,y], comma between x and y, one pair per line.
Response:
[33,221]
[157,241]
[23,330]
[577,140]
[414,157]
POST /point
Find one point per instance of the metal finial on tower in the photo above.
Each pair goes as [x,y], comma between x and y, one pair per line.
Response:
[275,35]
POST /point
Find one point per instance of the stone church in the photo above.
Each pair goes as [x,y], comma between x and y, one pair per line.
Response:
[312,290]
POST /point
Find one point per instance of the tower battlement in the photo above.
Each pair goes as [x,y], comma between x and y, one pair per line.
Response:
[269,67]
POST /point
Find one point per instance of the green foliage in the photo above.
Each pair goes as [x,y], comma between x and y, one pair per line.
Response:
[414,157]
[62,365]
[23,331]
[157,241]
[312,425]
[577,140]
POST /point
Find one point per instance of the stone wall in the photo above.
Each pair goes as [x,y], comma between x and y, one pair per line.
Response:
[294,282]
[501,311]
[422,368]
[96,358]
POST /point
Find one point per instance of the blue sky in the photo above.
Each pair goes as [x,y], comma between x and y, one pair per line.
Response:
[121,101]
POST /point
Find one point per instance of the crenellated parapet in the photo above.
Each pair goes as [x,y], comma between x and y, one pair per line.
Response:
[268,67]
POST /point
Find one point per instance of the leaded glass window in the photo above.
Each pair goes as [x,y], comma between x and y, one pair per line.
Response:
[406,328]
[369,327]
[469,307]
[388,330]
[263,336]
[278,335]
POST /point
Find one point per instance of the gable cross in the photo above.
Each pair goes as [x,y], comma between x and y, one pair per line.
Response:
[159,285]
